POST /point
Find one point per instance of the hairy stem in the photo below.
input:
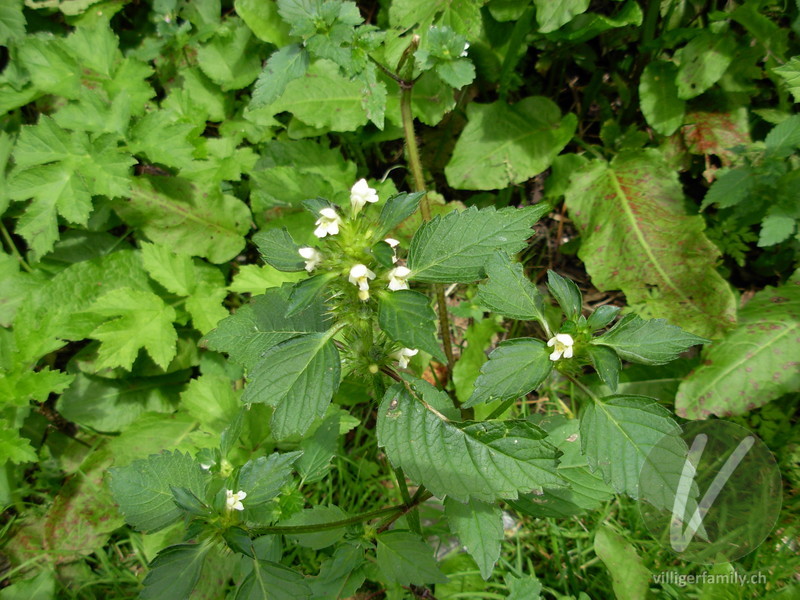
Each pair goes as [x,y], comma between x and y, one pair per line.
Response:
[413,516]
[367,516]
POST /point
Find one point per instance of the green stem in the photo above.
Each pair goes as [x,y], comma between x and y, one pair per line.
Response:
[583,388]
[14,251]
[413,516]
[501,409]
[293,529]
[420,498]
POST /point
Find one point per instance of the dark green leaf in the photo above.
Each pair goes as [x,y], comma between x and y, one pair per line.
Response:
[316,515]
[308,292]
[602,316]
[407,317]
[263,477]
[174,572]
[397,209]
[272,581]
[479,527]
[607,364]
[284,65]
[406,559]
[566,294]
[278,249]
[508,292]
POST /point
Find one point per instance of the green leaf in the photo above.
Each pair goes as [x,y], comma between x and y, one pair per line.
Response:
[649,342]
[12,21]
[272,581]
[730,188]
[525,588]
[263,477]
[263,20]
[211,400]
[341,575]
[162,138]
[665,266]
[566,294]
[703,61]
[13,447]
[298,377]
[138,320]
[509,292]
[404,558]
[456,247]
[484,460]
[606,363]
[503,145]
[307,292]
[318,450]
[279,250]
[784,138]
[790,73]
[142,489]
[515,368]
[467,368]
[662,108]
[262,324]
[479,527]
[52,66]
[174,212]
[630,578]
[174,572]
[552,15]
[284,65]
[397,209]
[317,515]
[752,365]
[407,317]
[776,227]
[39,587]
[602,316]
[617,434]
[173,271]
[462,16]
[231,59]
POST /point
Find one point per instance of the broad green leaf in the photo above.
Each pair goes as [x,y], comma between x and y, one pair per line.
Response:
[462,16]
[175,213]
[730,188]
[617,434]
[278,249]
[263,477]
[142,489]
[752,365]
[307,292]
[790,73]
[525,588]
[341,575]
[407,317]
[198,99]
[260,325]
[566,294]
[137,320]
[273,581]
[153,432]
[481,460]
[13,447]
[607,364]
[630,578]
[515,368]
[284,65]
[211,400]
[602,316]
[231,59]
[255,279]
[650,342]
[317,515]
[479,527]
[17,387]
[589,25]
[263,20]
[406,559]
[163,138]
[658,97]
[552,15]
[298,377]
[467,368]
[665,265]
[39,587]
[52,66]
[784,138]
[777,227]
[456,247]
[173,271]
[703,61]
[397,209]
[12,21]
[503,145]
[174,572]
[509,292]
[318,450]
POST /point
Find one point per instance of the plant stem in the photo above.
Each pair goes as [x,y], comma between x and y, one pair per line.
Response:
[14,251]
[582,387]
[501,409]
[420,498]
[413,516]
[367,516]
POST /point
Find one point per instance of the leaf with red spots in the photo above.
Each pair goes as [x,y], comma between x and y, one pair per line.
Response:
[636,237]
[754,364]
[716,133]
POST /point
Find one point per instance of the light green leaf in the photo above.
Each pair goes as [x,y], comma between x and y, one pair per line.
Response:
[456,247]
[263,20]
[784,138]
[153,432]
[406,559]
[665,265]
[790,73]
[231,59]
[630,578]
[272,581]
[503,145]
[142,489]
[658,97]
[17,388]
[617,435]
[703,61]
[39,587]
[174,572]
[776,227]
[255,279]
[163,138]
[467,368]
[462,16]
[13,447]
[174,271]
[12,21]
[316,516]
[407,317]
[212,401]
[509,292]
[299,377]
[483,460]
[515,368]
[752,365]
[525,588]
[479,527]
[552,15]
[284,65]
[649,342]
[397,209]
[53,68]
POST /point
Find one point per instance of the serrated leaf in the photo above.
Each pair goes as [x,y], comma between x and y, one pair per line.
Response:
[231,59]
[13,447]
[456,247]
[407,317]
[515,368]
[138,320]
[607,364]
[263,477]
[730,188]
[318,450]
[12,21]
[142,489]
[503,145]
[484,460]
[752,365]
[278,249]
[552,15]
[307,292]
[775,228]
[617,435]
[717,133]
[298,377]
[284,65]
[784,138]
[703,61]
[659,101]
[509,292]
[273,581]
[666,265]
[649,342]
[790,73]
[479,527]
[397,209]
[526,588]
[260,325]
[317,515]
[52,66]
[174,271]
[462,16]
[566,294]
[341,575]
[211,400]
[406,559]
[467,368]
[630,578]
[174,572]
[263,20]
[164,139]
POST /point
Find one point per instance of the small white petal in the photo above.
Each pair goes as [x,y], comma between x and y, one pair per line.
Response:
[392,242]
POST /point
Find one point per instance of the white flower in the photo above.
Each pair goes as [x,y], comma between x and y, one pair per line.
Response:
[397,278]
[328,223]
[403,355]
[234,501]
[393,243]
[360,276]
[360,194]
[563,343]
[312,255]
[466,47]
